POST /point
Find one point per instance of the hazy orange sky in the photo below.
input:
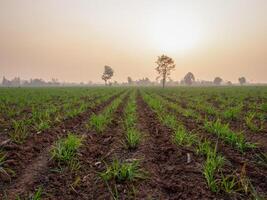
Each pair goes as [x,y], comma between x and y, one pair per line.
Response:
[72,40]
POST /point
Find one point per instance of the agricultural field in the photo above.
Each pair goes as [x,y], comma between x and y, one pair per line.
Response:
[133,143]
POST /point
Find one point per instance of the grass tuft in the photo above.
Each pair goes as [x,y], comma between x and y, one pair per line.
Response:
[65,150]
[133,138]
[123,171]
[20,132]
[224,132]
[182,137]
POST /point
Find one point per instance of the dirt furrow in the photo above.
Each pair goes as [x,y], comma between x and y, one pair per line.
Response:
[85,183]
[238,126]
[170,175]
[257,173]
[32,158]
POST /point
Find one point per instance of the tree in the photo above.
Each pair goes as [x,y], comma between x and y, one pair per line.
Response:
[15,81]
[229,83]
[108,73]
[130,80]
[143,81]
[164,68]
[242,80]
[5,82]
[217,81]
[54,81]
[189,78]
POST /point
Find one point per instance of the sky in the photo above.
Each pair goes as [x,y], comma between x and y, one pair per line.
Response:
[72,40]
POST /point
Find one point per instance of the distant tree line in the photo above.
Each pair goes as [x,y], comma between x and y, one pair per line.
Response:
[38,82]
[16,82]
[188,80]
[165,65]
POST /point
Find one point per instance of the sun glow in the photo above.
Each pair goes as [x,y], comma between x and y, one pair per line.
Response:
[171,32]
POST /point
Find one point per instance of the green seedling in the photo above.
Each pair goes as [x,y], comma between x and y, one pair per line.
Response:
[97,122]
[211,166]
[229,183]
[123,171]
[204,148]
[129,121]
[182,137]
[232,113]
[20,132]
[224,132]
[65,150]
[169,121]
[249,119]
[37,195]
[133,138]
[4,169]
[210,110]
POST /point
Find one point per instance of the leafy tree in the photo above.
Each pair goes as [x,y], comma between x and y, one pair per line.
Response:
[229,83]
[242,80]
[164,68]
[217,81]
[108,73]
[189,78]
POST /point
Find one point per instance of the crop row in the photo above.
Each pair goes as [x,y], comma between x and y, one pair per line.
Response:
[132,134]
[213,166]
[42,119]
[7,171]
[216,127]
[65,151]
[230,107]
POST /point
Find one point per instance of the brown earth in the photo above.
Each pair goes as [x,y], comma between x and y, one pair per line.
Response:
[236,160]
[97,149]
[169,175]
[29,159]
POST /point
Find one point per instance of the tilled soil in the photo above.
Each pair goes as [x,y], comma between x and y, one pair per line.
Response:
[171,177]
[235,159]
[85,183]
[168,172]
[238,125]
[29,159]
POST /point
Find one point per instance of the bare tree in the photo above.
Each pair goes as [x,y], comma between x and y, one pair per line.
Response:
[217,81]
[108,73]
[164,68]
[189,78]
[242,80]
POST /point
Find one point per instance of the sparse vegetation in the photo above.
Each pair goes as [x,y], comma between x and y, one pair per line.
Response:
[167,134]
[99,122]
[4,170]
[65,151]
[222,130]
[123,171]
[133,136]
[19,133]
[182,137]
